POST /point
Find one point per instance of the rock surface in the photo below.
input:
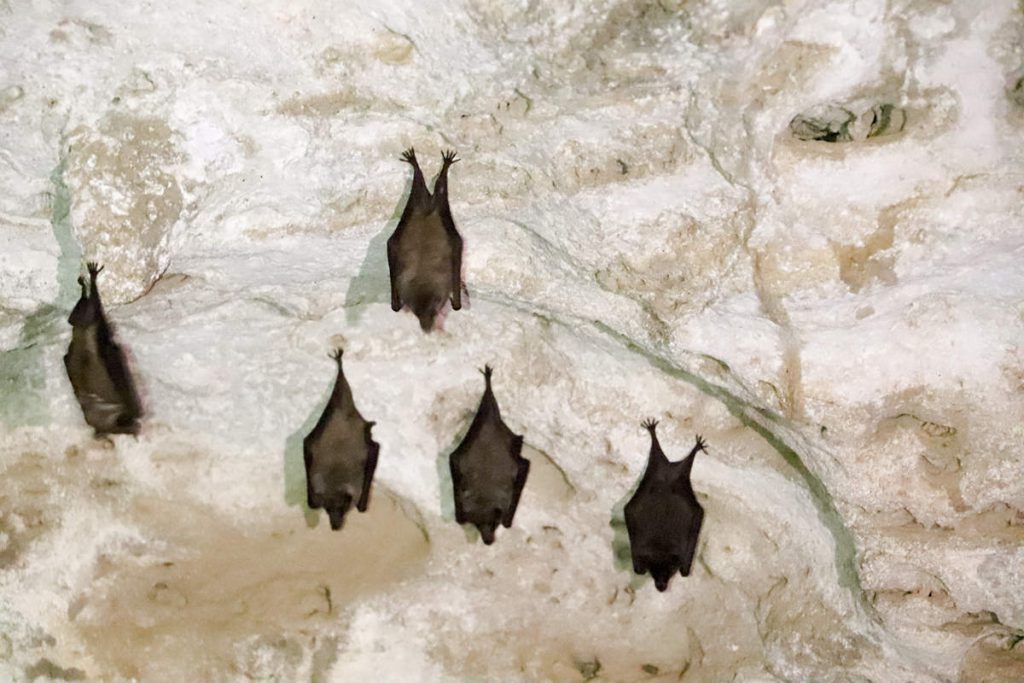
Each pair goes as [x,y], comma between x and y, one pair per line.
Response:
[644,237]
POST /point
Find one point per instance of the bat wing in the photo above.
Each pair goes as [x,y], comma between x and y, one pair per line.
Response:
[633,531]
[690,537]
[368,469]
[455,242]
[394,268]
[520,480]
[117,368]
[454,461]
[103,413]
[307,457]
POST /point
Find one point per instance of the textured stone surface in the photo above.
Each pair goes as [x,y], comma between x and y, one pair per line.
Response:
[644,237]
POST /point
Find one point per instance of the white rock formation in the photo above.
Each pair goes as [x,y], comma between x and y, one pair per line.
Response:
[644,237]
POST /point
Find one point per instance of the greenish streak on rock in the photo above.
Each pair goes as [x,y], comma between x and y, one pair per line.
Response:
[70,261]
[529,102]
[23,375]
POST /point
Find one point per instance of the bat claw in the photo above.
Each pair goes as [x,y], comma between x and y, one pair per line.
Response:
[94,268]
[336,354]
[448,156]
[409,156]
[701,444]
[650,424]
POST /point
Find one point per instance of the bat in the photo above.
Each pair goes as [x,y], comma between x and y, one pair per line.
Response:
[340,455]
[425,250]
[97,367]
[488,472]
[663,518]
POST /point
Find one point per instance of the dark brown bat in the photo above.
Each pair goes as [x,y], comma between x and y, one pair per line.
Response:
[425,251]
[97,367]
[488,472]
[340,455]
[663,517]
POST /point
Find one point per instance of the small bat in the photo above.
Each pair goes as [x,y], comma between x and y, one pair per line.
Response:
[425,251]
[340,455]
[663,517]
[97,367]
[488,472]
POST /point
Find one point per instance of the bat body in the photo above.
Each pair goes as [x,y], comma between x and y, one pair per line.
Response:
[97,367]
[425,251]
[340,455]
[488,472]
[663,517]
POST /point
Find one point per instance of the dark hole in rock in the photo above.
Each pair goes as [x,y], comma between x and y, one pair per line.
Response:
[825,123]
[886,119]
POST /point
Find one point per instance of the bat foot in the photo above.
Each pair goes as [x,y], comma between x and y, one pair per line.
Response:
[94,269]
[409,156]
[650,424]
[448,156]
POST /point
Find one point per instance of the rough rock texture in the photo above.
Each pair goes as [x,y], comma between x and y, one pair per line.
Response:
[645,236]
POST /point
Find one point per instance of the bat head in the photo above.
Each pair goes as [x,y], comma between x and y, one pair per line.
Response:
[425,306]
[427,317]
[127,423]
[487,532]
[662,567]
[337,507]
